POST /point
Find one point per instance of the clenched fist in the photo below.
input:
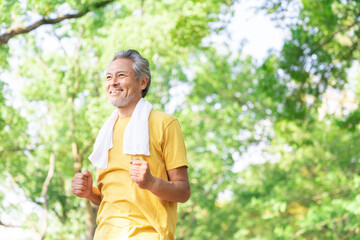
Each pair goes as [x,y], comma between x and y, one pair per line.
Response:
[81,184]
[140,173]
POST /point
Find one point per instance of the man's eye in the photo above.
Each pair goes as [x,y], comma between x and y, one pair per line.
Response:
[108,77]
[121,75]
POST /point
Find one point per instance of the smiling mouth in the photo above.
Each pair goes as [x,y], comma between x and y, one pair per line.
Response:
[115,91]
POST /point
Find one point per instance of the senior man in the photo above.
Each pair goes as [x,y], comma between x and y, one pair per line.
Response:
[140,157]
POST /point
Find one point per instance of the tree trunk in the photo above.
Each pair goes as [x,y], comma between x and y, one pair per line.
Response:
[91,211]
[44,197]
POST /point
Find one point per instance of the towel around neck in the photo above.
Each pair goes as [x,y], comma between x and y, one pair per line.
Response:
[136,135]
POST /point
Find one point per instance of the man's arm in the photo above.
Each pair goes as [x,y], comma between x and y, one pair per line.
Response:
[177,189]
[82,186]
[95,196]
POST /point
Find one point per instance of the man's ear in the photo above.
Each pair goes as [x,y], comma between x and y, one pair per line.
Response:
[143,82]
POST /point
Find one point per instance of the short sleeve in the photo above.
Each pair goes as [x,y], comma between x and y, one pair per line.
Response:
[174,152]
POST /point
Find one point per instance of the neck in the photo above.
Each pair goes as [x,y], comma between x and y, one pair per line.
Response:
[126,111]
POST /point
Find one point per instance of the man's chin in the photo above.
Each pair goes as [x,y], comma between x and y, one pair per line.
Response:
[120,102]
[117,103]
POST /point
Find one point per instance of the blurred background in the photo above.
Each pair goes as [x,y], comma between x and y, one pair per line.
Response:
[267,94]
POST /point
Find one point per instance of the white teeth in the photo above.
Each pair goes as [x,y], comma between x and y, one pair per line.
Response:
[115,91]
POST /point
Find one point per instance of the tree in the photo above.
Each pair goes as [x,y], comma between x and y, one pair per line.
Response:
[307,187]
[221,118]
[62,89]
[322,47]
[310,192]
[15,17]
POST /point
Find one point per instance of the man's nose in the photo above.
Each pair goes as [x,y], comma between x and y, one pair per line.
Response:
[114,81]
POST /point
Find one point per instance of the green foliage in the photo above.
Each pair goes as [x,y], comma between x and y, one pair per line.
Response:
[306,189]
[310,189]
[309,193]
[4,54]
[323,45]
[62,88]
[13,137]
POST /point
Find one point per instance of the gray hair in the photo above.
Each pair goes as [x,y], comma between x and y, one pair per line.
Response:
[141,65]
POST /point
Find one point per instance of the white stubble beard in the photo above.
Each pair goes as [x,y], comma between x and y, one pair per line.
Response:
[121,102]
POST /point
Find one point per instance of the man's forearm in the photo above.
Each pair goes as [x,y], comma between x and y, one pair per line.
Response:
[177,189]
[171,191]
[95,196]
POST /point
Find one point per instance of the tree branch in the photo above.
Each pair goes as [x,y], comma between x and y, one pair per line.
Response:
[321,225]
[18,149]
[331,37]
[44,192]
[88,146]
[10,33]
[7,225]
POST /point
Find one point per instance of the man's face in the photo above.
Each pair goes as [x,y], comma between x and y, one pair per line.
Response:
[122,87]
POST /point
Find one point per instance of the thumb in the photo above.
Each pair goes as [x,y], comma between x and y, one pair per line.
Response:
[89,177]
[87,173]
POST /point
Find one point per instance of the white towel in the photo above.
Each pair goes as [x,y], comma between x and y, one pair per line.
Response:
[136,135]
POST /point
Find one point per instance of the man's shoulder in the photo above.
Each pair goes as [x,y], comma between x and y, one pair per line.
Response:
[160,116]
[160,120]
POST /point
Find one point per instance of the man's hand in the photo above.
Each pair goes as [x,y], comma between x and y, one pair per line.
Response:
[140,173]
[81,184]
[177,189]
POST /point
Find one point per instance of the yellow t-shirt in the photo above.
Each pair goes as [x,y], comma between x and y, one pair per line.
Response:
[127,211]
